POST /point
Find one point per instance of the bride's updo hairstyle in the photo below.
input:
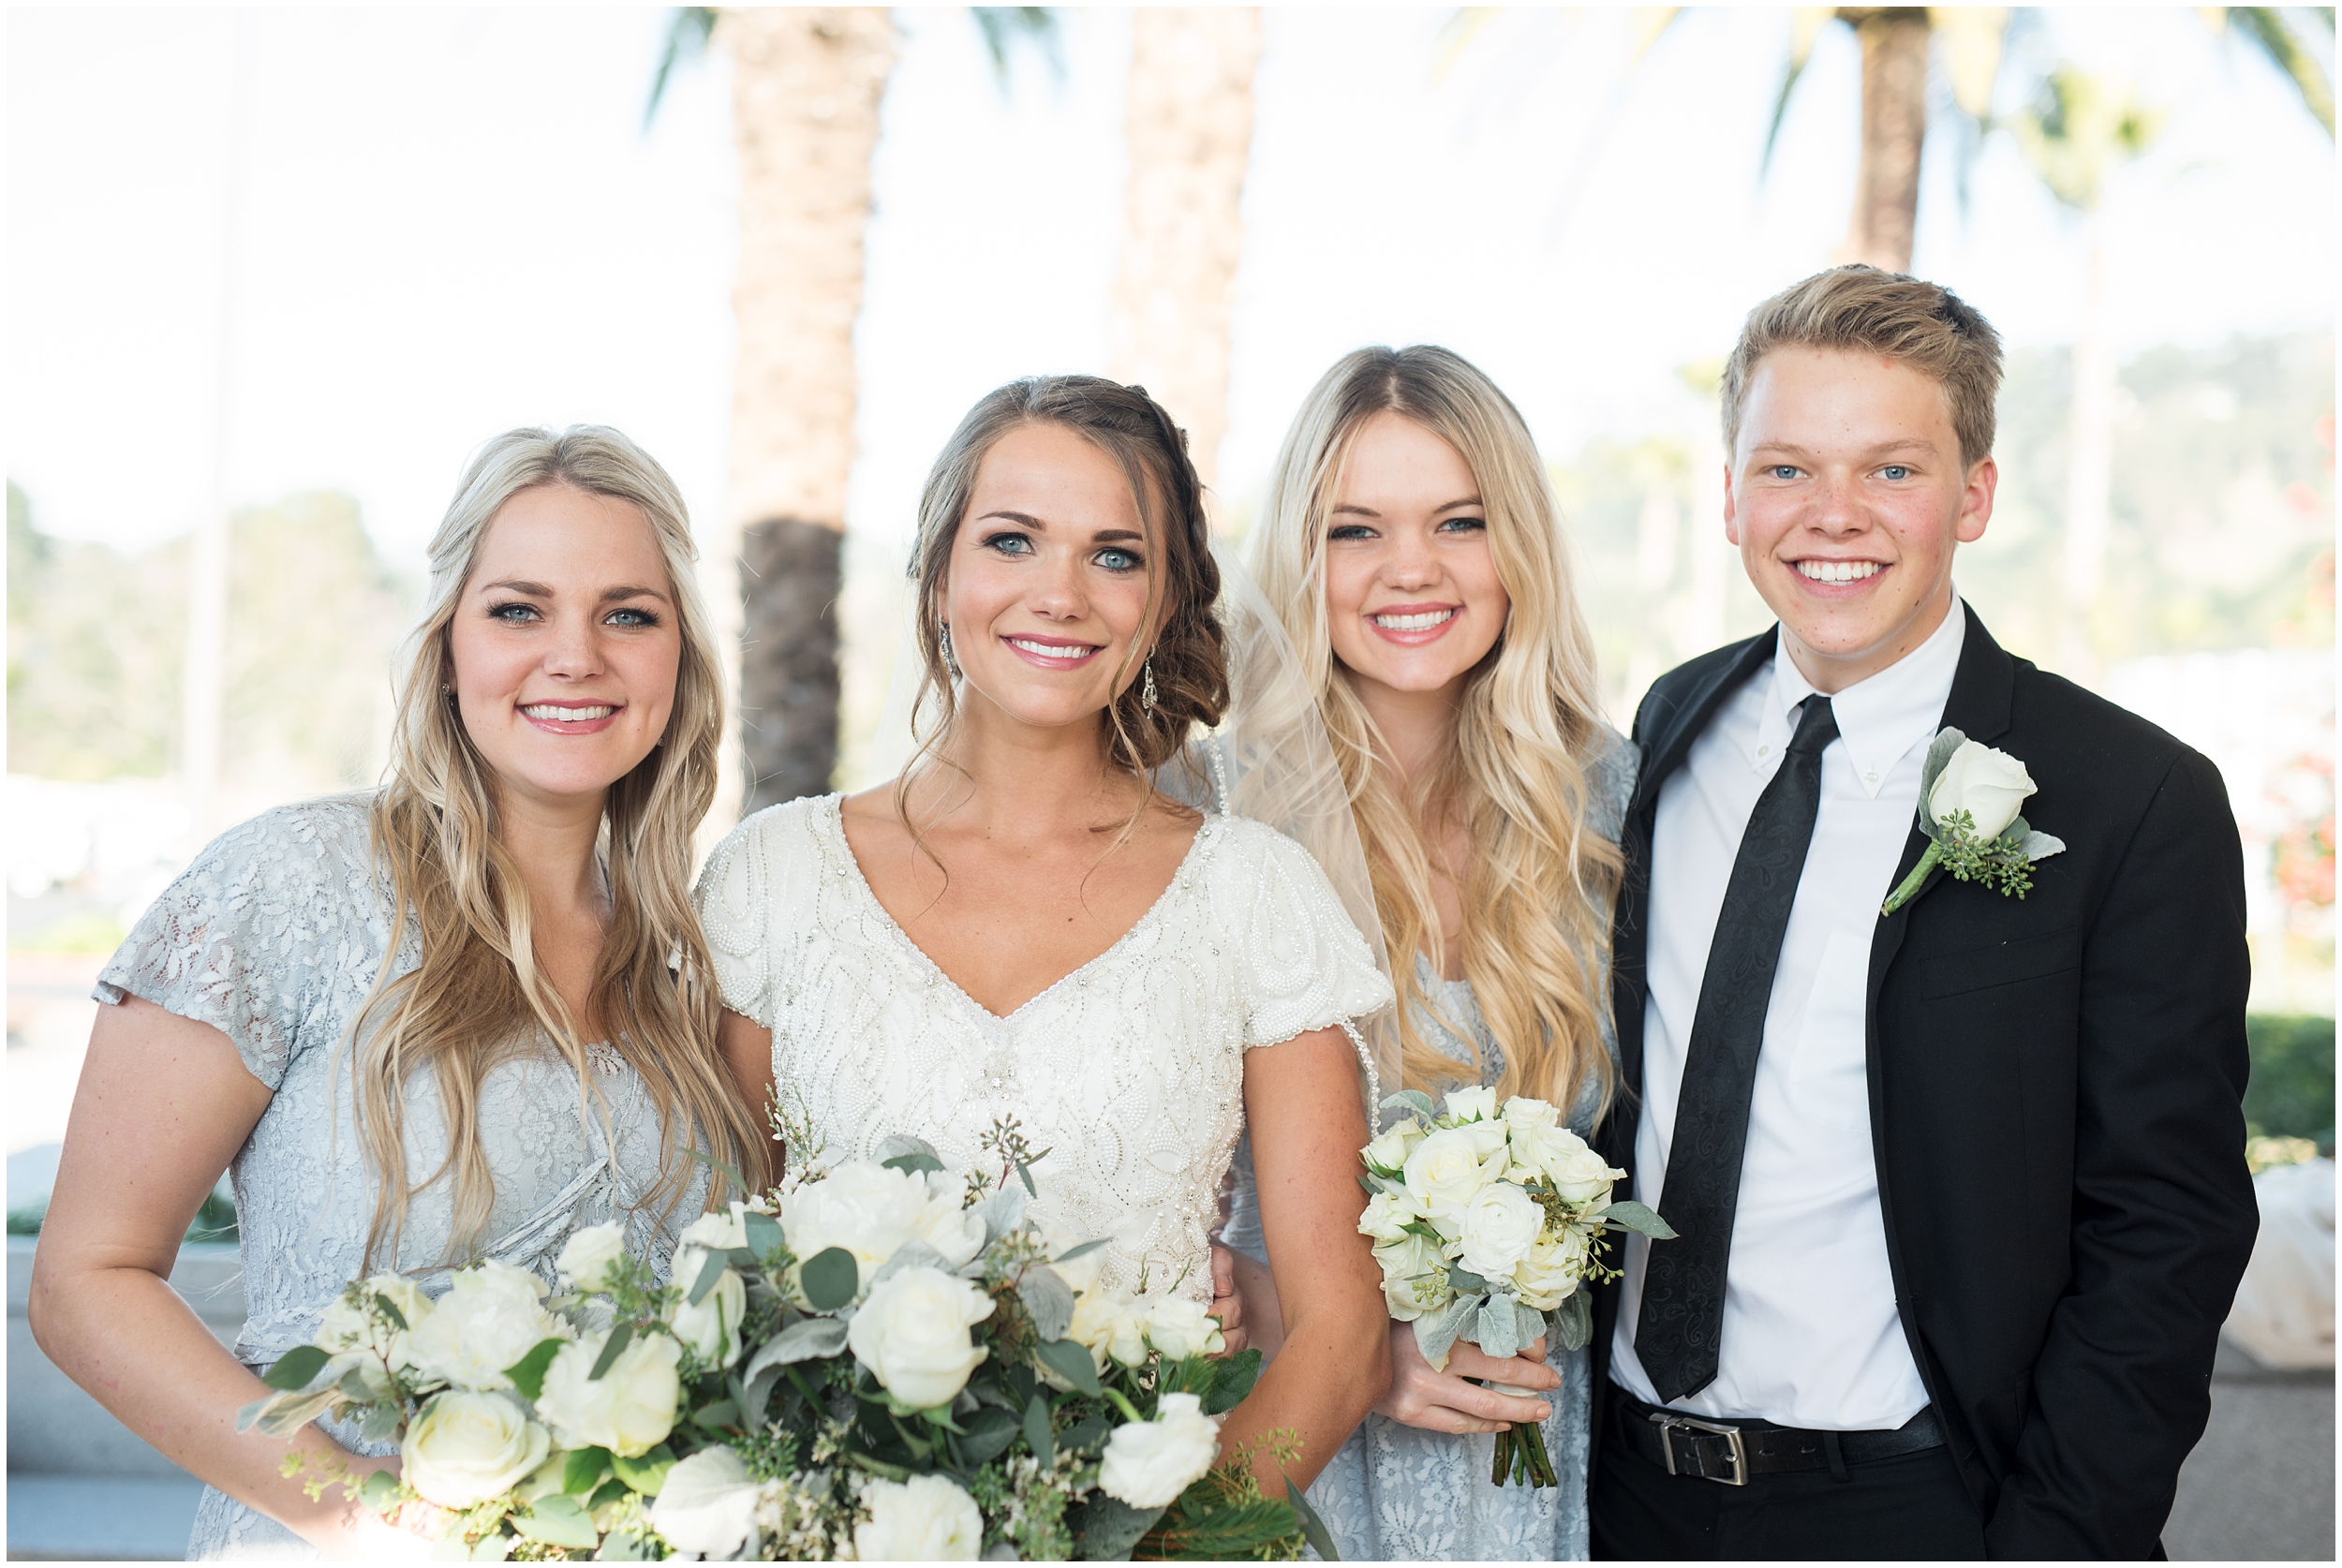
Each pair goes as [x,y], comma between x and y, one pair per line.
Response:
[477,994]
[1182,580]
[1539,884]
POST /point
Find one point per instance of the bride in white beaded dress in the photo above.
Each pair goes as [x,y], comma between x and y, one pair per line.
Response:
[1021,926]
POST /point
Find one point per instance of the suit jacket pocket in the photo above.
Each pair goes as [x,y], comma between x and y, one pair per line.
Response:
[2001,964]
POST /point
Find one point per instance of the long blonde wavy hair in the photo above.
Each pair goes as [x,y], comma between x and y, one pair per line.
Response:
[477,994]
[1518,775]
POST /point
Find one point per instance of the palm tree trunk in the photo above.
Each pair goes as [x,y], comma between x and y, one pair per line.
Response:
[807,85]
[1189,122]
[1895,124]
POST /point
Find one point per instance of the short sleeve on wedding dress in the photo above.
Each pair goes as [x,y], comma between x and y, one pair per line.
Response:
[244,941]
[735,901]
[1300,962]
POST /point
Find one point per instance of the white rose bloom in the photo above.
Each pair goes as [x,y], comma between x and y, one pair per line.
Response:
[707,1506]
[1443,1174]
[925,1520]
[465,1448]
[1180,1328]
[913,1334]
[1388,1215]
[1389,1151]
[1110,1325]
[870,1211]
[1148,1464]
[712,1326]
[1497,1228]
[1463,1104]
[628,1409]
[491,1317]
[1989,785]
[1520,1111]
[586,1259]
[1578,1174]
[1404,1262]
[1550,1274]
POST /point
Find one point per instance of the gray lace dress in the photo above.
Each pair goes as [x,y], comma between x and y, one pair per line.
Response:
[274,936]
[1394,1492]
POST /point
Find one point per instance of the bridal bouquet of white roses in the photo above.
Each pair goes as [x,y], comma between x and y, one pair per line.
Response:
[875,1361]
[1485,1219]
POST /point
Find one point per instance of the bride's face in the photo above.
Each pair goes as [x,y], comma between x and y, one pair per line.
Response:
[1047,590]
[1413,600]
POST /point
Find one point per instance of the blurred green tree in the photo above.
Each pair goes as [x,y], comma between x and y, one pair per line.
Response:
[97,647]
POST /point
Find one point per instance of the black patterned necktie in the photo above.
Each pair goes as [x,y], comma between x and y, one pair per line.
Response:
[1677,1334]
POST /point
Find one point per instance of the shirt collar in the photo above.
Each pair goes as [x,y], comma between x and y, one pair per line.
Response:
[1879,719]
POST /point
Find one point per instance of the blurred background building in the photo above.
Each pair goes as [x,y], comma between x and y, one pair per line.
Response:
[273,273]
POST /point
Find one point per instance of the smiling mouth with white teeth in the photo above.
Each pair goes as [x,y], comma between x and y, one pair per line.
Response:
[1064,652]
[1837,571]
[1423,621]
[557,715]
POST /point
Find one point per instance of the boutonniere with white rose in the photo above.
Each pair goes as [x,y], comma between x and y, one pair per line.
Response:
[1970,796]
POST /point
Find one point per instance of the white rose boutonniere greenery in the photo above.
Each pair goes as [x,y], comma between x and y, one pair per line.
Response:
[1969,799]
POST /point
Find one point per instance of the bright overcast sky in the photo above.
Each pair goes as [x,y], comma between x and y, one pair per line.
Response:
[423,226]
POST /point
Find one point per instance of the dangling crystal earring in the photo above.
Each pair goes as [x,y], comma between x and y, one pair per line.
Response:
[1146,690]
[951,661]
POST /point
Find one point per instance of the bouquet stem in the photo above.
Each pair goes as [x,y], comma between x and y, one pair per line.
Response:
[1521,1457]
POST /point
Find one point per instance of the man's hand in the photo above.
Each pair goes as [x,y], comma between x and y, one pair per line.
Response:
[1445,1403]
[1227,1302]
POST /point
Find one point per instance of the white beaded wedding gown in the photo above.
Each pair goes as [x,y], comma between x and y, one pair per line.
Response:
[274,936]
[1130,1071]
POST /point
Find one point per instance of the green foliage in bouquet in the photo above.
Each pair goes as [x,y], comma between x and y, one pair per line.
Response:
[880,1360]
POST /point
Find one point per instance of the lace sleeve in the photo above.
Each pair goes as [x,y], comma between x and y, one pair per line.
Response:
[733,903]
[1300,960]
[253,934]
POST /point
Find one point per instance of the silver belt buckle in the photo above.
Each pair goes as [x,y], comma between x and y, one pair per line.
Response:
[1669,1422]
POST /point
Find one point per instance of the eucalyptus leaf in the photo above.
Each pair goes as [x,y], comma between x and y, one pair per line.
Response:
[388,1309]
[830,1279]
[283,1414]
[910,1254]
[1642,1218]
[1573,1321]
[647,1473]
[710,1272]
[528,1372]
[806,1340]
[380,1491]
[901,1146]
[1049,1299]
[557,1521]
[619,1337]
[988,1433]
[624,1547]
[1464,1281]
[1090,1432]
[1106,1529]
[380,1424]
[1078,1251]
[763,1232]
[1313,1528]
[1037,1434]
[1069,1360]
[296,1368]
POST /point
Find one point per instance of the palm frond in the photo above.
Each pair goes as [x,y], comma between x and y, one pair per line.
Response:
[1004,26]
[1805,24]
[2267,27]
[688,28]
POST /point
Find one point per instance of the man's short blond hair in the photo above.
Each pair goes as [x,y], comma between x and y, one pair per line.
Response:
[1863,309]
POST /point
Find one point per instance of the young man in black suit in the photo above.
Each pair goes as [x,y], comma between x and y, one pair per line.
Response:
[1960,1186]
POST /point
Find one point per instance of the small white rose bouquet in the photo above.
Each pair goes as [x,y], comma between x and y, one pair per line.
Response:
[1970,798]
[1485,1219]
[879,1361]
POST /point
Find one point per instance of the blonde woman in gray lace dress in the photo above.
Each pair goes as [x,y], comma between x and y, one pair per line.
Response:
[1412,545]
[424,1026]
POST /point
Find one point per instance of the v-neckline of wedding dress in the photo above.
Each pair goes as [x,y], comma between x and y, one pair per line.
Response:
[834,819]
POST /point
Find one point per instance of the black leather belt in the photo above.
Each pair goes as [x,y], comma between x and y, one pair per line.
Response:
[1734,1452]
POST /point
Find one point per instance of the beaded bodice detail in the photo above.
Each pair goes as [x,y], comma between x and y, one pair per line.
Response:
[1129,1070]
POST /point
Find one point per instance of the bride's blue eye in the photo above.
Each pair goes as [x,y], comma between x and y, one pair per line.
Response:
[1008,544]
[632,617]
[1349,531]
[1117,560]
[1463,524]
[514,614]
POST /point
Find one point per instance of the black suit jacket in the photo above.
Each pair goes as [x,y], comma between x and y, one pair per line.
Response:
[2054,1088]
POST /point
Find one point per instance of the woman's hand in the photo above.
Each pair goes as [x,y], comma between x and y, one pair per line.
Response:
[1445,1403]
[1227,1302]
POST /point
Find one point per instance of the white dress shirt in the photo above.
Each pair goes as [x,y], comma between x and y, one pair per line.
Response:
[1811,1336]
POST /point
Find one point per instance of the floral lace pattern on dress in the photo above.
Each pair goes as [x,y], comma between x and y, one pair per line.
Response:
[274,935]
[1129,1070]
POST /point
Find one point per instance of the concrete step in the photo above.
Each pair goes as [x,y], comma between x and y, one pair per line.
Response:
[93,1518]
